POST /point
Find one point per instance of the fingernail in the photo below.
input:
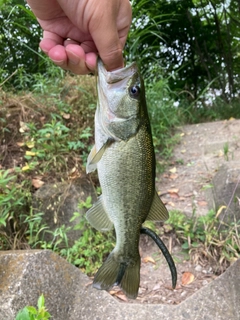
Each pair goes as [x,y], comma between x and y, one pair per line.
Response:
[58,62]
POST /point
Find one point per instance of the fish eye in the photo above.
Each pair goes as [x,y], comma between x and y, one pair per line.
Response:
[134,91]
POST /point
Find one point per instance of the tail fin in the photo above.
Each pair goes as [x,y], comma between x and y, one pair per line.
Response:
[113,272]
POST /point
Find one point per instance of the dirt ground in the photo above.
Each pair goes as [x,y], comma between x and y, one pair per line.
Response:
[196,160]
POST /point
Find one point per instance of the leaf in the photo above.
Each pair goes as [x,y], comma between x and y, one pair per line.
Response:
[174,193]
[174,190]
[66,116]
[187,278]
[220,210]
[202,203]
[171,204]
[185,245]
[20,144]
[41,301]
[23,314]
[25,168]
[121,296]
[37,183]
[30,153]
[173,170]
[31,310]
[149,259]
[173,176]
[23,127]
[30,144]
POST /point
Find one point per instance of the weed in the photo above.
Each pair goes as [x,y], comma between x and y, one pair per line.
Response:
[200,236]
[92,247]
[31,313]
[14,202]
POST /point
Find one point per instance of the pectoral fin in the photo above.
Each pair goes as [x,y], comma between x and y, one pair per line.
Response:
[94,157]
[158,211]
[98,217]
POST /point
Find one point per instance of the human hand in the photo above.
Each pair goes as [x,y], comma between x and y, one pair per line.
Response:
[77,31]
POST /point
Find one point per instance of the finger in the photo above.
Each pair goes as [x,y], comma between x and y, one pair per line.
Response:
[78,61]
[58,55]
[49,41]
[109,48]
[109,32]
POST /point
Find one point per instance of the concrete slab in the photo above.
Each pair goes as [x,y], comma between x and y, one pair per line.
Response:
[24,275]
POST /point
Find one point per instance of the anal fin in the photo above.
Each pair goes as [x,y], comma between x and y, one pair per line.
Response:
[158,211]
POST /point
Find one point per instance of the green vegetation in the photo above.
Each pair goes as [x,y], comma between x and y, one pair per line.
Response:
[31,313]
[206,238]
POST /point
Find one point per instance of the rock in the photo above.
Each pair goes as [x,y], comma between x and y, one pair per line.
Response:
[198,268]
[226,191]
[58,201]
[24,275]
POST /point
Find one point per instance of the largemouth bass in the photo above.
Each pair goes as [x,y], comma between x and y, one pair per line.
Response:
[124,157]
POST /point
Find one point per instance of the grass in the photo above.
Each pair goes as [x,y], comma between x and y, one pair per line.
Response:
[206,238]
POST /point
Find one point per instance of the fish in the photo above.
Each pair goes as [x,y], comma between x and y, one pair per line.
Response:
[124,157]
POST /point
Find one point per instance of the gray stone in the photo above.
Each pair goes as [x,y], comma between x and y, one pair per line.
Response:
[58,201]
[226,191]
[24,275]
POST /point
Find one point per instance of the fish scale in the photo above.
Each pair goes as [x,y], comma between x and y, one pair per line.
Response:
[124,157]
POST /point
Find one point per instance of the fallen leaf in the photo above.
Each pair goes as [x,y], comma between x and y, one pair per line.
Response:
[220,153]
[182,198]
[174,195]
[173,170]
[220,210]
[25,168]
[182,134]
[156,287]
[202,203]
[23,127]
[187,278]
[88,284]
[30,144]
[173,176]
[174,190]
[66,116]
[171,204]
[20,144]
[149,259]
[119,294]
[30,153]
[183,151]
[188,195]
[37,183]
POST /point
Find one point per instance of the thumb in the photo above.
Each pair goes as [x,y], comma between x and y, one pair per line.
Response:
[109,29]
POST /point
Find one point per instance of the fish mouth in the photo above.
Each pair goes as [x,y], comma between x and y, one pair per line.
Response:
[115,76]
[113,93]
